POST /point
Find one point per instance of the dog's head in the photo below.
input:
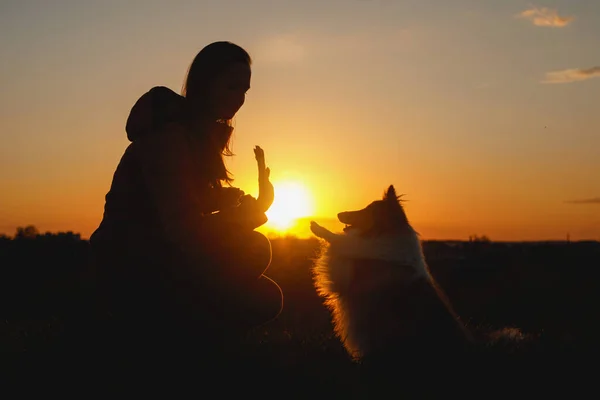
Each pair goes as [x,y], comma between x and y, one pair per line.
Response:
[385,216]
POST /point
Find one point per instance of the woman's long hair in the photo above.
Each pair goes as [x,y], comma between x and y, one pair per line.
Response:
[211,61]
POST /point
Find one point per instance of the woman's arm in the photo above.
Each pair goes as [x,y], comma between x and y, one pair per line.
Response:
[173,176]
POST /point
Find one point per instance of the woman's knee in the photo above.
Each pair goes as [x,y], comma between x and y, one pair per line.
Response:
[258,250]
[258,240]
[261,302]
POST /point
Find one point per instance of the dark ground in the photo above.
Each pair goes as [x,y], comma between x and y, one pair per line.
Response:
[548,290]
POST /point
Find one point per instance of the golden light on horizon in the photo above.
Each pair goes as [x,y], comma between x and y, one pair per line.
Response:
[292,201]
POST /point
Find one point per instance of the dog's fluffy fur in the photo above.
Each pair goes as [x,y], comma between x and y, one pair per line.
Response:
[376,282]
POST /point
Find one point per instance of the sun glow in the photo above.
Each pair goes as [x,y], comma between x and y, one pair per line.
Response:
[292,201]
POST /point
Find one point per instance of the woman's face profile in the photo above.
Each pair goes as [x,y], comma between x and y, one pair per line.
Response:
[228,91]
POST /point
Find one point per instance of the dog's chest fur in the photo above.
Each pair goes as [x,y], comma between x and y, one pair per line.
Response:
[350,257]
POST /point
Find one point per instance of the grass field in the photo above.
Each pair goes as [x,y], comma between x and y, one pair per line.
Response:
[547,290]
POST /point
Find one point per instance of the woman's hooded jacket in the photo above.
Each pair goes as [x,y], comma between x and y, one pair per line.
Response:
[161,192]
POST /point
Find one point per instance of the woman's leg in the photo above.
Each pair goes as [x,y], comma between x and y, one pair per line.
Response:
[254,253]
[242,257]
[248,297]
[261,303]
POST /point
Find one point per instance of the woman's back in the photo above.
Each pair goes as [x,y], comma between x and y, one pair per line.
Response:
[129,216]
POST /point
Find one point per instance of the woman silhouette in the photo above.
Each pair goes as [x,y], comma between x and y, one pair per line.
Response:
[177,242]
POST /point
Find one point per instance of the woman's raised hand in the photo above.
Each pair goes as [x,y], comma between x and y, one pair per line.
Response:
[266,192]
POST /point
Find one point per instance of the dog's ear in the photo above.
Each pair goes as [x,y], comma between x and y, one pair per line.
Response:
[390,194]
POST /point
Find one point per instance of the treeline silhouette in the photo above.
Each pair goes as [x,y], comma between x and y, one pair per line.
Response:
[41,274]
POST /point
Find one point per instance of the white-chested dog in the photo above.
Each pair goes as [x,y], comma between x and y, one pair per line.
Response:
[376,282]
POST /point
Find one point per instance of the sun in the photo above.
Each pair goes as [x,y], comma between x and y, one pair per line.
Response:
[292,201]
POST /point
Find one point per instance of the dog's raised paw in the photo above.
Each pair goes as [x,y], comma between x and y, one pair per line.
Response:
[314,227]
[317,229]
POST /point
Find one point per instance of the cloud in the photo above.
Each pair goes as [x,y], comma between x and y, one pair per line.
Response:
[545,17]
[294,48]
[572,75]
[594,200]
[281,49]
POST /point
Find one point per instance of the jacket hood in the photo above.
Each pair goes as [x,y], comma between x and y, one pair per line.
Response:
[152,110]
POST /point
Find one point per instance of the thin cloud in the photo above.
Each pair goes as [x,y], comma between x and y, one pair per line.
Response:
[572,75]
[281,49]
[298,47]
[594,200]
[542,16]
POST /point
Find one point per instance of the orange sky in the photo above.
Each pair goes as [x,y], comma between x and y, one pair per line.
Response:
[483,114]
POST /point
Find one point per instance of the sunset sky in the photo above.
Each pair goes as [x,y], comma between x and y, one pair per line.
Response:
[485,113]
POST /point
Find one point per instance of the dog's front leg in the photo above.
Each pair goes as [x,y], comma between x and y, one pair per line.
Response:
[322,232]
